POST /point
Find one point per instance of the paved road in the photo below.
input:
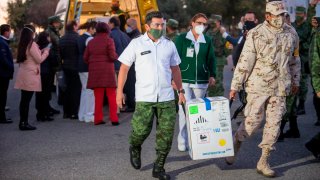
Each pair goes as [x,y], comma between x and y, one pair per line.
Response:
[69,149]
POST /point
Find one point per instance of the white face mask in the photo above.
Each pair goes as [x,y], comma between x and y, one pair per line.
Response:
[11,35]
[277,22]
[199,29]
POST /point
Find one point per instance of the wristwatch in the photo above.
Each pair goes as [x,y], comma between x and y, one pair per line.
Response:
[181,91]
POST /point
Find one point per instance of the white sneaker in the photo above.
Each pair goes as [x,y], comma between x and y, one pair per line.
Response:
[182,148]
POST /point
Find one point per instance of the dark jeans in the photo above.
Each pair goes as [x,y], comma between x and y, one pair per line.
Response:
[129,88]
[4,84]
[43,98]
[26,97]
[72,94]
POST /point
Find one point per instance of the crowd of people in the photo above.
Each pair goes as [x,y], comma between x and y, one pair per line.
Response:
[154,75]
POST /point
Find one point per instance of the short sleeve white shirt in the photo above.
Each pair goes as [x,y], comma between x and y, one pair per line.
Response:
[153,62]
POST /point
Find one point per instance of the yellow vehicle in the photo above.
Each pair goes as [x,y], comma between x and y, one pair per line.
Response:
[83,10]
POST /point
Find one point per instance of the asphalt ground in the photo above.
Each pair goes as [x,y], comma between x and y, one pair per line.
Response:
[69,149]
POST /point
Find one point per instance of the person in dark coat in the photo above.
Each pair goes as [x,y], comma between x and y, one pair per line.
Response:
[132,29]
[100,55]
[6,69]
[69,53]
[43,98]
[121,41]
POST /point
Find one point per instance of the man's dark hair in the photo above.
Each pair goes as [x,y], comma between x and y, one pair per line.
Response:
[115,21]
[153,14]
[70,25]
[4,28]
[252,12]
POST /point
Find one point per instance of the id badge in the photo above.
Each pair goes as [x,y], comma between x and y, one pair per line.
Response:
[190,52]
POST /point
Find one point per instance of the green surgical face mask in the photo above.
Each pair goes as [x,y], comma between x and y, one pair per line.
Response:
[156,33]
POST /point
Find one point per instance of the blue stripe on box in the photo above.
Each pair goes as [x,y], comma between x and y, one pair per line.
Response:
[208,104]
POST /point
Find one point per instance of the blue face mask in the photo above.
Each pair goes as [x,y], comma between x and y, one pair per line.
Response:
[129,29]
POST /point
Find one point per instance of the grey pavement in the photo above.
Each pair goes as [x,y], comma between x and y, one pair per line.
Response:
[69,149]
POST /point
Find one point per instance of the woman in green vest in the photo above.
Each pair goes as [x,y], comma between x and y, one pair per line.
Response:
[198,67]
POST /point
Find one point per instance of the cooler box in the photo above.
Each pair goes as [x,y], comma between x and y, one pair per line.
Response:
[209,128]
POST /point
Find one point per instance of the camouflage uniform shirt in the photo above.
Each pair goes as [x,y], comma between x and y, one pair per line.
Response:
[264,64]
[315,61]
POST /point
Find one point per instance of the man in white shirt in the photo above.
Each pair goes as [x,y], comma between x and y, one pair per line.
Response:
[156,64]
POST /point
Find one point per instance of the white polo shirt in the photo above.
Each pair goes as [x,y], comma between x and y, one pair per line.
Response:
[153,61]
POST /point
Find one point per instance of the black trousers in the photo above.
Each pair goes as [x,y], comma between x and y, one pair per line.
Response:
[129,88]
[4,84]
[72,94]
[43,98]
[26,97]
[316,103]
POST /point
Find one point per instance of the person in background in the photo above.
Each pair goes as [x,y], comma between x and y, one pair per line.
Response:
[121,41]
[6,70]
[69,53]
[100,55]
[266,68]
[198,68]
[117,12]
[172,29]
[28,78]
[132,28]
[86,109]
[43,97]
[55,25]
[219,45]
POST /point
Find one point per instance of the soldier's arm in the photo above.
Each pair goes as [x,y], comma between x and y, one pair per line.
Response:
[211,61]
[311,11]
[295,65]
[245,64]
[315,68]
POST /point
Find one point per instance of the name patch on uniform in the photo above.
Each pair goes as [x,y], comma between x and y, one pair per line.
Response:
[145,52]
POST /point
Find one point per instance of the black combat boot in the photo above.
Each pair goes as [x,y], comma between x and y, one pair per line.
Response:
[158,170]
[301,110]
[293,132]
[281,136]
[135,156]
[314,146]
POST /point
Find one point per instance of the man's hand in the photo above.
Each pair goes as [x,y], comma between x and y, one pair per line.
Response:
[174,86]
[232,94]
[318,94]
[294,90]
[182,99]
[212,81]
[222,30]
[120,99]
[314,2]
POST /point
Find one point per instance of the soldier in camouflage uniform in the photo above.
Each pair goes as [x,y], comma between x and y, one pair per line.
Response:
[269,74]
[156,63]
[314,144]
[172,29]
[303,28]
[291,114]
[220,52]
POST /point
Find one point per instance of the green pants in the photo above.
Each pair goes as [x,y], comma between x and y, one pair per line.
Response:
[291,107]
[303,86]
[218,89]
[142,122]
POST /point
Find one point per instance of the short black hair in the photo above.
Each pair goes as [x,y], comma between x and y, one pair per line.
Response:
[4,28]
[252,12]
[70,25]
[115,20]
[153,14]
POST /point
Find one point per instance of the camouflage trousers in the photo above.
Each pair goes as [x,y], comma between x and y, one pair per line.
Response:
[303,86]
[142,122]
[218,89]
[291,107]
[273,108]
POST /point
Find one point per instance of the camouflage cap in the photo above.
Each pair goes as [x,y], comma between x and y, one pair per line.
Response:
[300,9]
[216,17]
[53,19]
[173,23]
[276,7]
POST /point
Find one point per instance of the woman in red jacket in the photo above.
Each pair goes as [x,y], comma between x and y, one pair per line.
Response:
[100,55]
